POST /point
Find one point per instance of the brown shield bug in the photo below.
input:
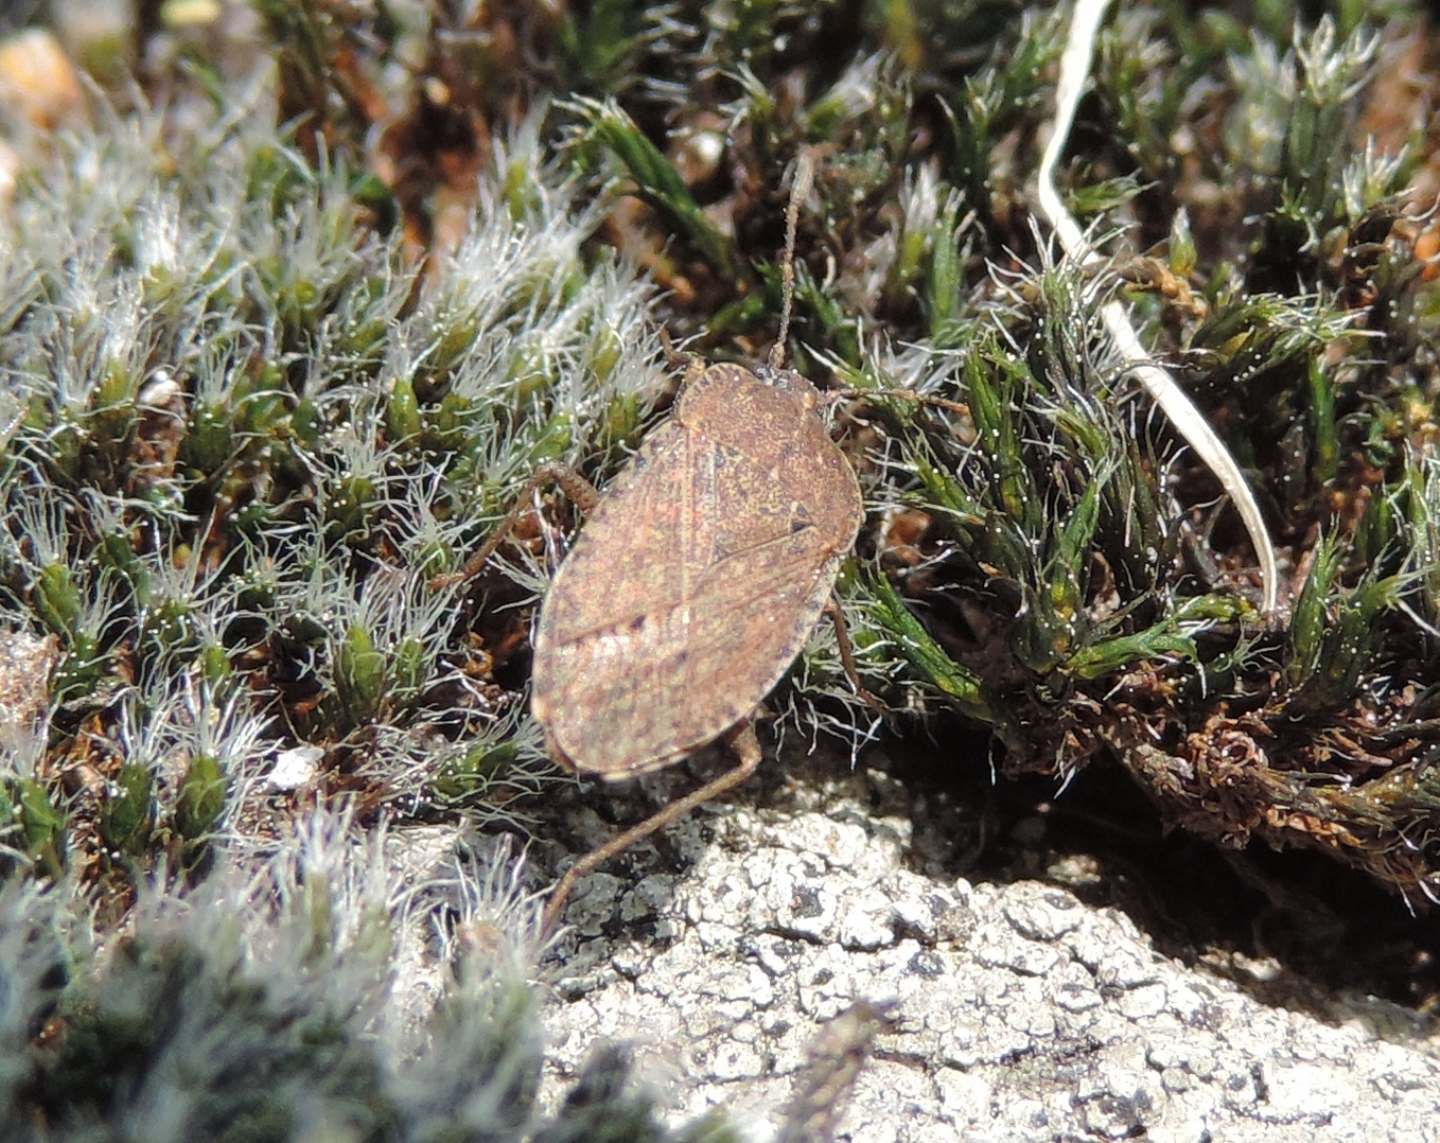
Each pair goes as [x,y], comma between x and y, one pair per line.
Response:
[696,580]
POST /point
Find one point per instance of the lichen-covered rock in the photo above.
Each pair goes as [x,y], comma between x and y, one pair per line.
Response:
[1020,1012]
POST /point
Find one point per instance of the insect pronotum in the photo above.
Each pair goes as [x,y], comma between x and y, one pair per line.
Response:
[696,580]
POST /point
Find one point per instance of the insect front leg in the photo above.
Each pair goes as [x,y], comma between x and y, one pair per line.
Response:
[873,395]
[694,366]
[584,495]
[743,744]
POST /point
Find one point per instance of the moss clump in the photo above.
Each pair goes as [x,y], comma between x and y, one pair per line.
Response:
[283,339]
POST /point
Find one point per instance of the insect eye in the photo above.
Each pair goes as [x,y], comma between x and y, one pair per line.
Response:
[786,379]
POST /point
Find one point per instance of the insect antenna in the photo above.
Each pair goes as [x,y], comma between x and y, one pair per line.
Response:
[799,189]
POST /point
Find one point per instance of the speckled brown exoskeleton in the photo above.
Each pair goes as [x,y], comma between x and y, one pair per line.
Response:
[697,578]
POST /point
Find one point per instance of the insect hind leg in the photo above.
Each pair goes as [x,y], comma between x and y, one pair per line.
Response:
[746,747]
[847,654]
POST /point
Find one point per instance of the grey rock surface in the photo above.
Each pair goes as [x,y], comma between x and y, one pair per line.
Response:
[1020,1012]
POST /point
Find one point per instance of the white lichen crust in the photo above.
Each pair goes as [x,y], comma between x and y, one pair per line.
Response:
[1021,1011]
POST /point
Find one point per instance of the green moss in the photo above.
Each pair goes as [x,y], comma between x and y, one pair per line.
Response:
[278,346]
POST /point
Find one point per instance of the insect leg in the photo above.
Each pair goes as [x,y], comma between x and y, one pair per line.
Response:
[902,394]
[746,747]
[580,490]
[677,359]
[847,653]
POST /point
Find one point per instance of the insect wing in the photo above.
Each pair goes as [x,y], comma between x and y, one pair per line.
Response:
[694,584]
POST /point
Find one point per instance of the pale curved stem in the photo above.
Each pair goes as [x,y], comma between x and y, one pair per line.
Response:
[1157,382]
